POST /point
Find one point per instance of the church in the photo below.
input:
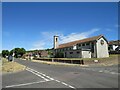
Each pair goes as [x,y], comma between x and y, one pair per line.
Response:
[92,47]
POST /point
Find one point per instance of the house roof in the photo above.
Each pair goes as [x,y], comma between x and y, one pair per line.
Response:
[79,41]
[117,42]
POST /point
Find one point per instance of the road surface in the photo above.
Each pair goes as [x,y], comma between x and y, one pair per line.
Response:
[39,75]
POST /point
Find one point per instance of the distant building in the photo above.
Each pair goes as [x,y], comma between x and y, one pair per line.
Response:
[114,46]
[36,54]
[96,47]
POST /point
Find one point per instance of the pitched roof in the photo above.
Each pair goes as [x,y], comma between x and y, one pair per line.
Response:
[117,42]
[79,41]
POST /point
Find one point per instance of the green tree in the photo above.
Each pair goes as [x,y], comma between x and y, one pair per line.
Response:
[18,52]
[5,53]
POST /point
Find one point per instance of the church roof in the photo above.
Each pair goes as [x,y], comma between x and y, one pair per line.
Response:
[79,41]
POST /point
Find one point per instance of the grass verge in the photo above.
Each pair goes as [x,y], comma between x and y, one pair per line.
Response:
[8,67]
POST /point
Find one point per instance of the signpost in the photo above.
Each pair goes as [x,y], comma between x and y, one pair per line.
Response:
[13,56]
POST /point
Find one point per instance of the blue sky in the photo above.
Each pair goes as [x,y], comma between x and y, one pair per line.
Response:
[33,25]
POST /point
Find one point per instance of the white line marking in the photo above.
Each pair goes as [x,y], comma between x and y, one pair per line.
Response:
[64,83]
[114,73]
[37,75]
[57,80]
[71,87]
[25,84]
[100,71]
[41,74]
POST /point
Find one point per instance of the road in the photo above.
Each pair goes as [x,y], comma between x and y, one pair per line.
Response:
[39,75]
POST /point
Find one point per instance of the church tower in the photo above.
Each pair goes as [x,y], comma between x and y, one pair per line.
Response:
[55,42]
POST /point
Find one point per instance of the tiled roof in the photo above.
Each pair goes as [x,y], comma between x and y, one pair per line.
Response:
[79,41]
[114,42]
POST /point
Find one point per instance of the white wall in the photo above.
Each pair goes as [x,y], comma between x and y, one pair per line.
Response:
[86,54]
[102,50]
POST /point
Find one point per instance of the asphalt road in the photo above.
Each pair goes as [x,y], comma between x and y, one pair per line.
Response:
[39,75]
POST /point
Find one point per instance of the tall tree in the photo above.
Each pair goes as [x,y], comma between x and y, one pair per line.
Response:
[18,52]
[5,53]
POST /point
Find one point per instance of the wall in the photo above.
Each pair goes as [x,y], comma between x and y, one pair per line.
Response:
[102,50]
[74,55]
[86,54]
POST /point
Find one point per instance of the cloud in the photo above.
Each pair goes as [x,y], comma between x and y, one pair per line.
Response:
[38,45]
[76,36]
[108,29]
[46,40]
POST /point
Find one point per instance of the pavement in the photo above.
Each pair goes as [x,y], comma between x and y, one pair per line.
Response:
[39,75]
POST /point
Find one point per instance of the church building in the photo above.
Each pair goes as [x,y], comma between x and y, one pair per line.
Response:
[93,47]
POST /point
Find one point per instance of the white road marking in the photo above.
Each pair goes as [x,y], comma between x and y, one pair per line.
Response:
[113,73]
[38,73]
[72,87]
[57,80]
[64,83]
[100,71]
[25,84]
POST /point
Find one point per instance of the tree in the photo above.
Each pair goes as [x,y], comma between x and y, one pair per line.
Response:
[5,53]
[18,52]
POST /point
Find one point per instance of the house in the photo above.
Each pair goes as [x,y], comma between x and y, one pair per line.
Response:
[35,54]
[93,47]
[114,46]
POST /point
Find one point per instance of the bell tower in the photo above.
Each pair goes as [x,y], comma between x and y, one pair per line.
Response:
[55,42]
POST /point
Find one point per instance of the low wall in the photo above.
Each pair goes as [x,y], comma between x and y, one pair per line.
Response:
[72,61]
[109,60]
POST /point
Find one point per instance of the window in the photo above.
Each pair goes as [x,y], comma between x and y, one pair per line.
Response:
[83,44]
[102,42]
[78,52]
[79,45]
[56,39]
[71,52]
[87,43]
[92,47]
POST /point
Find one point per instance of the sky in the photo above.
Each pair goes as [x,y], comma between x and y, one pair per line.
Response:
[33,25]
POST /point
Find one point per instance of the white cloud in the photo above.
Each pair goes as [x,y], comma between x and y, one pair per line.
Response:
[46,40]
[76,36]
[38,45]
